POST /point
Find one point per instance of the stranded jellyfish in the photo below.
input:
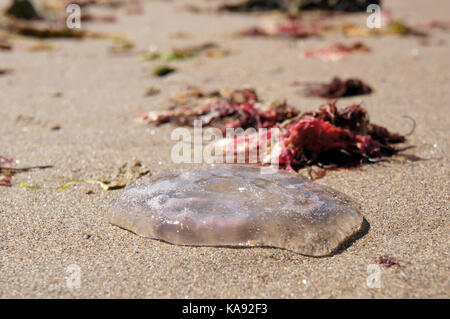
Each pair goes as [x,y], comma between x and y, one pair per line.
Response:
[236,205]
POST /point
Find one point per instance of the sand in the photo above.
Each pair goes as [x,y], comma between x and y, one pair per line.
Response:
[45,231]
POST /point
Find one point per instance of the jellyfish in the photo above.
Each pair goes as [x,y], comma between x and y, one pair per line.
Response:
[237,205]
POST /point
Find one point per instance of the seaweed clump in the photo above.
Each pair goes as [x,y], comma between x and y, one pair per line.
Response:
[23,9]
[294,6]
[338,88]
[332,137]
[236,109]
[326,137]
[5,174]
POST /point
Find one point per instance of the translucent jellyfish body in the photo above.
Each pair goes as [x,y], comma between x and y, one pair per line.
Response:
[235,205]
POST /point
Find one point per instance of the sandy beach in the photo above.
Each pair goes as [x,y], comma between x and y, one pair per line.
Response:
[75,109]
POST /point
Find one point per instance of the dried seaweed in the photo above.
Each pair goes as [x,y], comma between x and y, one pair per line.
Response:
[253,5]
[23,9]
[340,5]
[29,186]
[163,70]
[394,27]
[26,121]
[69,184]
[58,5]
[23,19]
[41,46]
[125,175]
[121,46]
[238,108]
[151,91]
[26,21]
[294,6]
[5,71]
[7,172]
[180,35]
[4,46]
[46,30]
[87,17]
[209,49]
[287,28]
[336,52]
[338,88]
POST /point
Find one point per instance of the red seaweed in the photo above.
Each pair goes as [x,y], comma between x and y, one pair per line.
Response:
[337,137]
[5,176]
[336,52]
[326,137]
[237,109]
[7,172]
[388,261]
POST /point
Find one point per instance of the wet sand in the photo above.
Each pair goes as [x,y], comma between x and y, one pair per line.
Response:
[45,231]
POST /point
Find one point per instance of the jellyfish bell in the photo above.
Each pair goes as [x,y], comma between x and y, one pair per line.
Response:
[236,205]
